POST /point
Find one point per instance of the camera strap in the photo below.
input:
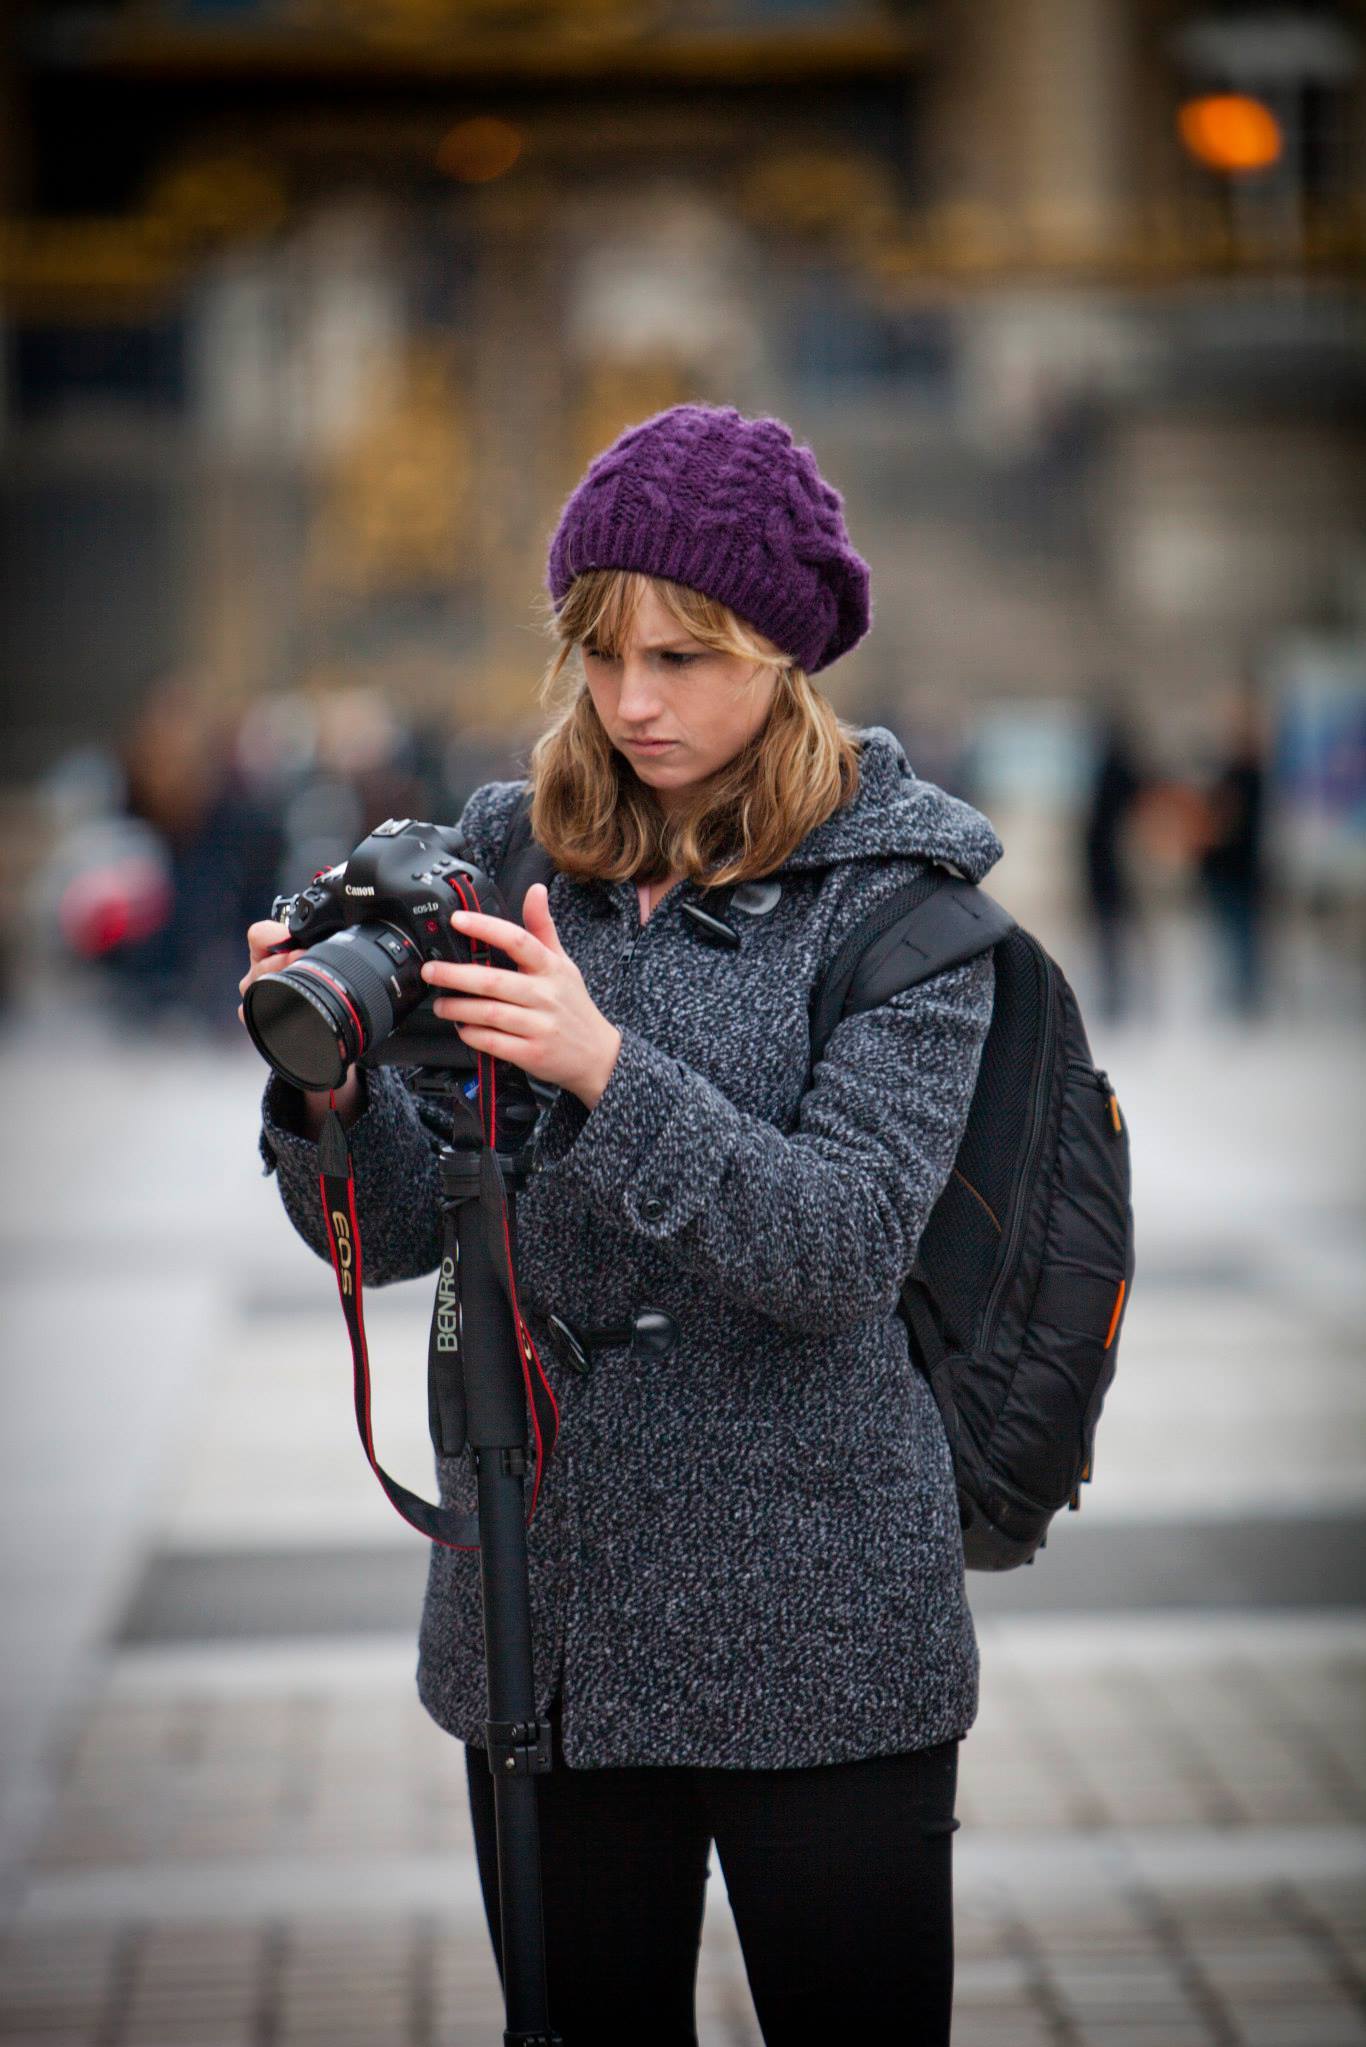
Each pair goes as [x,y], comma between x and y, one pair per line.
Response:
[446,1526]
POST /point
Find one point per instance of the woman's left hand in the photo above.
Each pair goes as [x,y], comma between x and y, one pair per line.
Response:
[540,1017]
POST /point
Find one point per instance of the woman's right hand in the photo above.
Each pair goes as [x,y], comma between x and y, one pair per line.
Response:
[260,939]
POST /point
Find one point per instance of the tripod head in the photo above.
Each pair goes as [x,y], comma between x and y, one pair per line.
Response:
[448,1071]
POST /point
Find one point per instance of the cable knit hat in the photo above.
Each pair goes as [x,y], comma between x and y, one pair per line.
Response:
[729,506]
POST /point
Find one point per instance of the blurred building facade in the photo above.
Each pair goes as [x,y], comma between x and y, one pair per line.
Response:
[315,310]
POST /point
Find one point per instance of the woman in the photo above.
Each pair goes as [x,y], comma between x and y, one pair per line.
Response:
[746,1563]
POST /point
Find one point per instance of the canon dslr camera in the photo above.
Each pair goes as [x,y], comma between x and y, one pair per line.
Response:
[368,925]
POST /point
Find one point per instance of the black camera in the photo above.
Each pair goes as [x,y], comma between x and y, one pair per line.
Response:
[368,924]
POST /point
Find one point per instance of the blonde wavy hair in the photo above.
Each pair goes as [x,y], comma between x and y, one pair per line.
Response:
[598,821]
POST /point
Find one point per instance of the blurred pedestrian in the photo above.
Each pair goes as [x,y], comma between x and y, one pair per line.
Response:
[220,848]
[1116,787]
[749,1615]
[1230,864]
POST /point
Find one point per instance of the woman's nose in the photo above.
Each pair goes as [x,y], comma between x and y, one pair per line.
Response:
[639,690]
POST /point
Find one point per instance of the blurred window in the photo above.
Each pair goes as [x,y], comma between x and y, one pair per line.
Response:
[828,340]
[54,367]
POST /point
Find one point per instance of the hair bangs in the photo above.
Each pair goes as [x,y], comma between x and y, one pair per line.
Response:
[601,604]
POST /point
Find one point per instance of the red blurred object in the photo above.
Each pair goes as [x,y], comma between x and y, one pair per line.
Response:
[112,906]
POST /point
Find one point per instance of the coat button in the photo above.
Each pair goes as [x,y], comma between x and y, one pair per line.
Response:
[652,1208]
[654,1335]
[756,898]
[568,1346]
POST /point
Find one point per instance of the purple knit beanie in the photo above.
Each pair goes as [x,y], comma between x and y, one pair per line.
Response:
[732,507]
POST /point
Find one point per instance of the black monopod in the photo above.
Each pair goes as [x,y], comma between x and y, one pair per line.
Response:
[481,1388]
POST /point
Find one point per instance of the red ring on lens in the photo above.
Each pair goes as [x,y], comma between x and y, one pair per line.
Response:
[310,967]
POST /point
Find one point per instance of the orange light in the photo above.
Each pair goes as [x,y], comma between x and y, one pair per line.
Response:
[1227,131]
[479,149]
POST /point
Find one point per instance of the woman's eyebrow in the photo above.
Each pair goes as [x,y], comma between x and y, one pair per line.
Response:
[664,646]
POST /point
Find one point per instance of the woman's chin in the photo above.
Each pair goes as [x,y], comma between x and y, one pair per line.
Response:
[656,774]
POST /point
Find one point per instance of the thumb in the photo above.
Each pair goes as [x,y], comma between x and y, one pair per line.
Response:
[536,917]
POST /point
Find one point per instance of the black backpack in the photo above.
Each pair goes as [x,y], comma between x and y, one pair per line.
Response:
[1024,1267]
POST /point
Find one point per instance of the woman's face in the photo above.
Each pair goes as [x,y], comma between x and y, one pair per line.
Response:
[666,685]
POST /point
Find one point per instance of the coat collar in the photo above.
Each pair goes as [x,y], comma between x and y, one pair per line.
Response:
[895,812]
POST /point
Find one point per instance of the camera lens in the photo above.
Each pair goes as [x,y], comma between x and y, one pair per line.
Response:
[314,1019]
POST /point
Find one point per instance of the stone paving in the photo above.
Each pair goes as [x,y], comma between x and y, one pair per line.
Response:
[1162,1843]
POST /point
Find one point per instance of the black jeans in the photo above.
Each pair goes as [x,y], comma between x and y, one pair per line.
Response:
[839,1879]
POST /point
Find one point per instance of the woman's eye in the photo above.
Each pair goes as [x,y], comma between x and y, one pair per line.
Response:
[667,655]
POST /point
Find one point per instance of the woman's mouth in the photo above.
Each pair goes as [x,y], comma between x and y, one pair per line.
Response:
[651,745]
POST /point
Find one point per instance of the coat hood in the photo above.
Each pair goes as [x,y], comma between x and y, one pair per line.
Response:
[895,812]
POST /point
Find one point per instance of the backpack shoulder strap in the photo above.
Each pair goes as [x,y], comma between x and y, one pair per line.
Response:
[520,860]
[935,922]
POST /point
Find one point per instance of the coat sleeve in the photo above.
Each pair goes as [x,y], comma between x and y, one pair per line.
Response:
[393,1139]
[815,1229]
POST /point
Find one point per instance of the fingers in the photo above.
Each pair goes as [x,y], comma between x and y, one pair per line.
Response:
[519,945]
[536,915]
[271,965]
[473,980]
[514,1023]
[264,934]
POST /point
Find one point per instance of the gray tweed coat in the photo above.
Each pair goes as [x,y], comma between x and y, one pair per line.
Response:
[746,1555]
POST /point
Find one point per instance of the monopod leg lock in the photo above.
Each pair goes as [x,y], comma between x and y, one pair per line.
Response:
[518,1748]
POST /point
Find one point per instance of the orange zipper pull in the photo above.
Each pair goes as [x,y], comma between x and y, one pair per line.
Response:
[1103,1081]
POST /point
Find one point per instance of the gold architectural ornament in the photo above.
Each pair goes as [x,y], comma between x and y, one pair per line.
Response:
[894,260]
[965,234]
[614,395]
[818,192]
[395,504]
[1335,233]
[62,269]
[203,200]
[124,265]
[418,24]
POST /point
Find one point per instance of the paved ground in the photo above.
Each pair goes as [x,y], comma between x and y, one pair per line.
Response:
[216,1831]
[1162,1842]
